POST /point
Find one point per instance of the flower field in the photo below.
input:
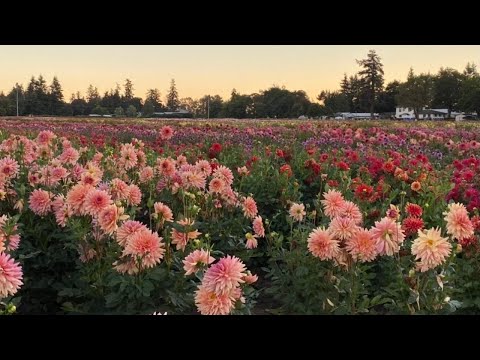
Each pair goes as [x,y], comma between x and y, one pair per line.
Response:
[112,216]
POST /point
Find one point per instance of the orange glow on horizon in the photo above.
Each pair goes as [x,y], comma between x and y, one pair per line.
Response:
[200,70]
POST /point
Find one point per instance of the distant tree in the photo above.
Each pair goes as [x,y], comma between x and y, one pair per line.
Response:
[93,98]
[37,99]
[386,99]
[78,105]
[12,101]
[106,101]
[148,109]
[470,71]
[56,106]
[470,94]
[112,99]
[116,97]
[100,110]
[316,110]
[153,96]
[334,102]
[4,104]
[56,90]
[345,85]
[119,112]
[192,106]
[128,90]
[257,107]
[347,89]
[210,106]
[358,97]
[237,106]
[131,111]
[172,97]
[301,104]
[416,92]
[446,89]
[137,103]
[372,77]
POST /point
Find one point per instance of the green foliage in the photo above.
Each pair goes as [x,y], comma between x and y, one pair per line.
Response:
[416,92]
[131,111]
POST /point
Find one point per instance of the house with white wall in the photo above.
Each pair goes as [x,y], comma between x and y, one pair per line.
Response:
[406,113]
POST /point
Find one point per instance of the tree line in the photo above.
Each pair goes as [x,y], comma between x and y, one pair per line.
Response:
[364,92]
[42,99]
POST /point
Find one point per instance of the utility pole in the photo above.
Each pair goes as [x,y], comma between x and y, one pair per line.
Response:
[16,85]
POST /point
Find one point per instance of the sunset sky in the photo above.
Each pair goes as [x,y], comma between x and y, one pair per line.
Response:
[199,70]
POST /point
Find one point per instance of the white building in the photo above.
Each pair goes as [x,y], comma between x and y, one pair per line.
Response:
[466,117]
[406,113]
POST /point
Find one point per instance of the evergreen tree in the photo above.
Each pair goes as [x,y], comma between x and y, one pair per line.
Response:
[153,96]
[56,104]
[128,89]
[372,77]
[172,97]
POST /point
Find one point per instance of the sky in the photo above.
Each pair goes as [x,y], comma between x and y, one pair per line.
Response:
[217,69]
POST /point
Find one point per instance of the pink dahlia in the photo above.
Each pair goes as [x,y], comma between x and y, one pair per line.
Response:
[45,137]
[459,224]
[431,249]
[210,303]
[297,211]
[163,212]
[108,218]
[165,167]
[196,260]
[343,228]
[8,168]
[134,196]
[145,245]
[249,278]
[332,203]
[127,230]
[249,207]
[322,245]
[393,212]
[195,179]
[166,132]
[119,189]
[389,235]
[216,185]
[362,246]
[10,276]
[40,202]
[225,275]
[146,174]
[224,173]
[351,210]
[128,156]
[258,226]
[204,167]
[76,198]
[96,201]
[69,156]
